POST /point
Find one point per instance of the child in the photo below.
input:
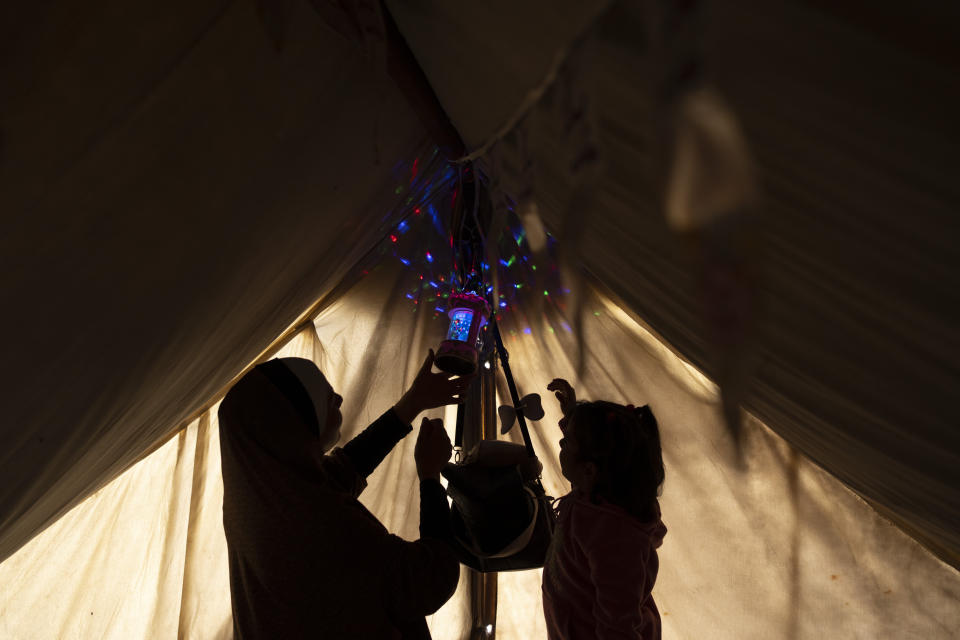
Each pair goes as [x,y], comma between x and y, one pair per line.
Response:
[602,563]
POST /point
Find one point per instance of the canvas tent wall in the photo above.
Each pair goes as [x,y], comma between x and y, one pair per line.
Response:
[850,123]
[163,166]
[779,549]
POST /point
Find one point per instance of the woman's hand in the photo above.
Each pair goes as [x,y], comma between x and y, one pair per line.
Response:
[565,394]
[433,449]
[430,390]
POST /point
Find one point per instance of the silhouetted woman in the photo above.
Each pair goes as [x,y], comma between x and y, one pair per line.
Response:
[307,560]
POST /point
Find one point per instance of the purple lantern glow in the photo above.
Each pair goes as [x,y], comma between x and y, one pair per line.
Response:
[458,353]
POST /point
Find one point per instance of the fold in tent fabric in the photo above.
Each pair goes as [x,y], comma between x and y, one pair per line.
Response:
[154,156]
[851,122]
[777,549]
[156,167]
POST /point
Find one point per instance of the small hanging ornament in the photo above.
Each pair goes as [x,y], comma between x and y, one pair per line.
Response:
[458,353]
[532,409]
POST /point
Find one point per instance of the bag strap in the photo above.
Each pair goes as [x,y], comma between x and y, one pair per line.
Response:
[514,396]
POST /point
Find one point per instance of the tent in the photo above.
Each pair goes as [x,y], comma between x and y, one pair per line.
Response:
[189,186]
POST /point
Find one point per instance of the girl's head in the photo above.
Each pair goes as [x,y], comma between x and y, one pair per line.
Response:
[612,452]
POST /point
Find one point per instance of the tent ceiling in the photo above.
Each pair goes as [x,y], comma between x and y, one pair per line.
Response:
[853,129]
[175,193]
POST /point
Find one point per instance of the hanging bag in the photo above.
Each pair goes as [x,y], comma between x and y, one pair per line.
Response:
[502,518]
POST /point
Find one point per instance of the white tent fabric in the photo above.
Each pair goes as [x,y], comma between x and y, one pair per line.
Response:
[850,116]
[176,191]
[778,549]
[155,157]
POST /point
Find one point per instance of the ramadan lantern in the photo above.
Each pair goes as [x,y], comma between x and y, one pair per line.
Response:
[458,353]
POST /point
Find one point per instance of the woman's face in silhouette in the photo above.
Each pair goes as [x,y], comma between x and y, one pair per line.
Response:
[333,422]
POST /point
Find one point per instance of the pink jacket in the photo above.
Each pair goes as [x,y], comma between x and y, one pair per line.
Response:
[599,573]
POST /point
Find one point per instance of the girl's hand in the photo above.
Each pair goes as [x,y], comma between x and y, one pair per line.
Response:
[565,394]
[430,390]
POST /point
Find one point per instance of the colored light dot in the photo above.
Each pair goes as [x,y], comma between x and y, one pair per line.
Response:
[546,293]
[596,313]
[405,261]
[503,304]
[429,257]
[534,267]
[551,329]
[527,331]
[416,211]
[393,238]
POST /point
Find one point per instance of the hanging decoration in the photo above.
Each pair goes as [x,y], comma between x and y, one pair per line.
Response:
[458,354]
[530,405]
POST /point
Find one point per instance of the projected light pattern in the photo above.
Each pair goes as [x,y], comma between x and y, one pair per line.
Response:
[419,238]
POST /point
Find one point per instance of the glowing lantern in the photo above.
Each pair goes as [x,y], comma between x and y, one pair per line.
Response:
[458,353]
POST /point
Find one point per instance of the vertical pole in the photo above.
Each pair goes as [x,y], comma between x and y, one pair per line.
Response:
[489,412]
[483,586]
